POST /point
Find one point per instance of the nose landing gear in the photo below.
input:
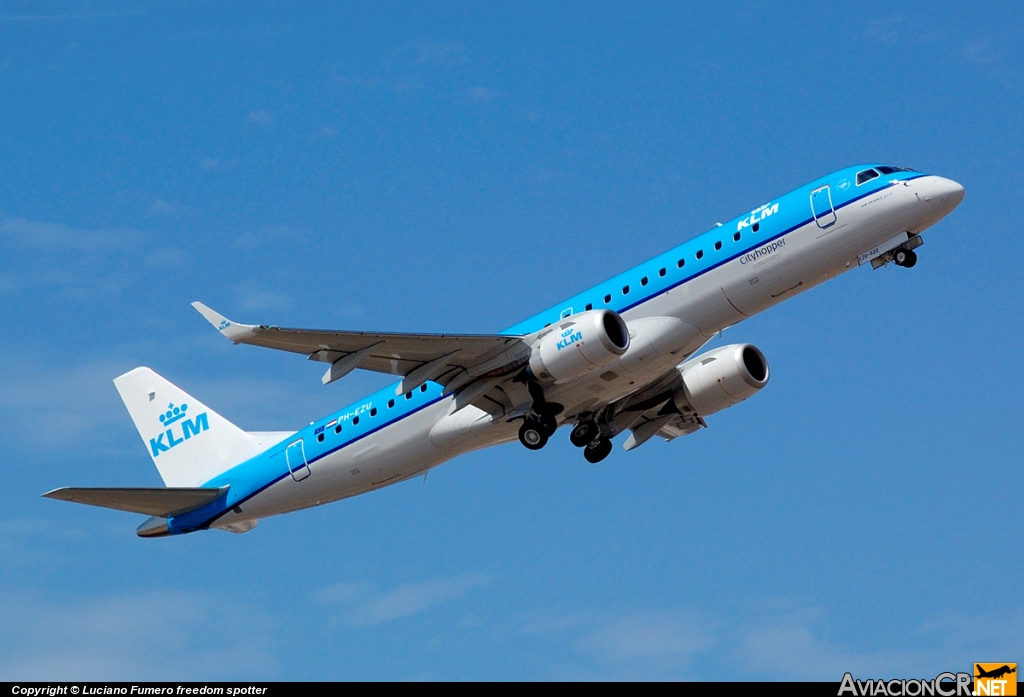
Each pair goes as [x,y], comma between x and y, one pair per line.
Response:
[905,258]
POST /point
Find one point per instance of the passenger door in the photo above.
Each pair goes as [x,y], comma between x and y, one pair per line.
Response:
[295,456]
[821,207]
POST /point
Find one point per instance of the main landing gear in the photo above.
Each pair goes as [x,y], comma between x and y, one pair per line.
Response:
[540,424]
[587,435]
[597,450]
[584,433]
[535,431]
[905,258]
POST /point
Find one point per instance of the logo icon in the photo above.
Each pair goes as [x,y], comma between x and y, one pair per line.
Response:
[843,185]
[995,679]
[187,428]
[173,414]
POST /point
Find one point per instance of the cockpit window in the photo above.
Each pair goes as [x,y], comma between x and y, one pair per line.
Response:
[893,170]
[866,176]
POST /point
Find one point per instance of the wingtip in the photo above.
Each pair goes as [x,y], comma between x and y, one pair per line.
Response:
[232,330]
[211,315]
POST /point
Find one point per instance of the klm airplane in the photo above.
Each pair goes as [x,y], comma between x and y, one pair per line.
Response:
[623,356]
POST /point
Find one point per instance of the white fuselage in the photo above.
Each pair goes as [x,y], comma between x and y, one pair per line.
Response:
[664,330]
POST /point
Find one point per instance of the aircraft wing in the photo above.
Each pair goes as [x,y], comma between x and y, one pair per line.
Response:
[453,360]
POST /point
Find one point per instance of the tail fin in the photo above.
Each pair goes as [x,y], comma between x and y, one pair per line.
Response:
[189,442]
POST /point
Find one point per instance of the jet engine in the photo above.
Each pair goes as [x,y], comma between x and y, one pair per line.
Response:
[580,344]
[721,378]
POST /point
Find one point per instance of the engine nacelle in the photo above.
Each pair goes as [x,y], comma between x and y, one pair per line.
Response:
[580,344]
[721,378]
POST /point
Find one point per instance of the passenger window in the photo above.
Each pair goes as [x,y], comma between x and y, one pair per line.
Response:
[866,176]
[607,299]
[681,263]
[373,412]
[391,404]
[320,438]
[590,306]
[625,290]
[355,420]
[736,237]
[423,387]
[718,246]
[755,227]
[643,281]
[700,253]
[337,429]
[408,395]
[662,272]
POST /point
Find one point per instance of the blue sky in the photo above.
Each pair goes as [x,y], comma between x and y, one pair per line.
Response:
[458,167]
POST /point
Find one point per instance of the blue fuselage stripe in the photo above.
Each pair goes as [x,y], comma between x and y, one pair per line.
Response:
[749,249]
[207,515]
[257,468]
[703,242]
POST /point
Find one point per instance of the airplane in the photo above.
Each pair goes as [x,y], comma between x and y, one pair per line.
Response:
[622,356]
[995,673]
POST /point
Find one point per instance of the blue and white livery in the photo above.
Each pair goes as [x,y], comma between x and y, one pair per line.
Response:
[621,357]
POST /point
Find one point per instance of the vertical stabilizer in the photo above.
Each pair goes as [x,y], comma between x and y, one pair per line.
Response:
[189,442]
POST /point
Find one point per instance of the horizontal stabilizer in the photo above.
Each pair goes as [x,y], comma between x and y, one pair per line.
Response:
[156,501]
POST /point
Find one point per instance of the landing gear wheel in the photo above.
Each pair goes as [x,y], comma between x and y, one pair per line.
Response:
[549,424]
[597,450]
[905,258]
[532,435]
[583,433]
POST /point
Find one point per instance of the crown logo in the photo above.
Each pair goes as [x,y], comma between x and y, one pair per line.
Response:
[224,324]
[173,414]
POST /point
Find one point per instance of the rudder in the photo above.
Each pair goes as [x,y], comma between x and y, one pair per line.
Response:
[189,442]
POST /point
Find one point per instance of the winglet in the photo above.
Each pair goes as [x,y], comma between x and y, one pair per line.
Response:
[232,330]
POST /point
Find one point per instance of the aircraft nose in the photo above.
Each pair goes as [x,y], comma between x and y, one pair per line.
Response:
[948,193]
[939,197]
